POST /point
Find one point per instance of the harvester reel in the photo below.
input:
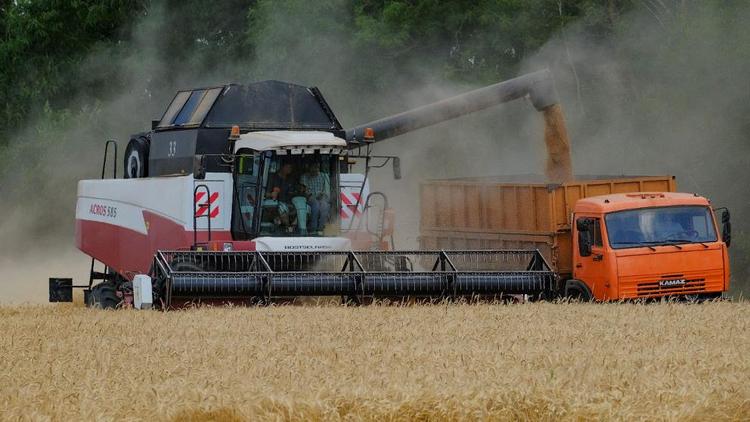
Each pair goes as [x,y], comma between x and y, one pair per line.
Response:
[136,158]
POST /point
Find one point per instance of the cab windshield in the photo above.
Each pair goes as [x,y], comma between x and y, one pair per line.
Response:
[660,226]
[299,195]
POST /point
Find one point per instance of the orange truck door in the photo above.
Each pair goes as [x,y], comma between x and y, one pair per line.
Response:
[592,268]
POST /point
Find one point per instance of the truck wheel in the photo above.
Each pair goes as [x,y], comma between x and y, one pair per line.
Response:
[711,296]
[576,290]
[136,158]
[700,298]
[103,296]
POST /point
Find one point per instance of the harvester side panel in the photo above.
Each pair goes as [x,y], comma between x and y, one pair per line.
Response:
[123,222]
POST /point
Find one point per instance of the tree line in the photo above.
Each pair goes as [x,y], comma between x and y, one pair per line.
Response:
[45,43]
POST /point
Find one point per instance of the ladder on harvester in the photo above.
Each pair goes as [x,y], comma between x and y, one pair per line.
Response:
[105,275]
[379,231]
[200,211]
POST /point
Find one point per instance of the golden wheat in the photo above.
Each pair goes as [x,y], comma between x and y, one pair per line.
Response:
[530,361]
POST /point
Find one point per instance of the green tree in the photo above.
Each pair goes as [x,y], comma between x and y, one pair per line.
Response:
[44,42]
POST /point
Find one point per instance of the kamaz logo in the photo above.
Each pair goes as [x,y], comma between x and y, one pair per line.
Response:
[670,283]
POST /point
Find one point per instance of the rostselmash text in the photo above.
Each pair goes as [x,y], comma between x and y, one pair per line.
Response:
[298,247]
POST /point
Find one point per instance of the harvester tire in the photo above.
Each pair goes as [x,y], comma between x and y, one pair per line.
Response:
[103,296]
[187,266]
[136,158]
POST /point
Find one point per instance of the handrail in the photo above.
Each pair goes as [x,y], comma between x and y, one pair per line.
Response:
[114,176]
[207,204]
[104,163]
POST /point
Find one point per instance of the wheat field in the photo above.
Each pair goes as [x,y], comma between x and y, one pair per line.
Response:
[500,362]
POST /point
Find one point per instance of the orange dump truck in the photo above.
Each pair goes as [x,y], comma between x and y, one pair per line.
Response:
[608,238]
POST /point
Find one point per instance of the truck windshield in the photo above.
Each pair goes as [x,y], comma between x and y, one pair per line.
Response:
[299,195]
[660,226]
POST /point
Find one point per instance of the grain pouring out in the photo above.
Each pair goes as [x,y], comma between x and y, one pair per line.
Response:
[559,167]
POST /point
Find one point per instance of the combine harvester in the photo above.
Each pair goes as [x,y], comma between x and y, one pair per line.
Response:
[228,198]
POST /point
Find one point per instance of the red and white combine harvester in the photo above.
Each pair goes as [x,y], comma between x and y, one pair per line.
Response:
[244,194]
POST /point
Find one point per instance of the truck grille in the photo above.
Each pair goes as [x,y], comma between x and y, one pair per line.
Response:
[675,286]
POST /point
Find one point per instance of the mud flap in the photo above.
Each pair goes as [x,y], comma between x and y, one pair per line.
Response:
[60,290]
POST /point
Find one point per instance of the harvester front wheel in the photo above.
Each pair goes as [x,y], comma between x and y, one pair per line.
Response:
[103,296]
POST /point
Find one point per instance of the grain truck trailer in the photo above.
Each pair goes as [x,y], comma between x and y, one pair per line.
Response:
[607,238]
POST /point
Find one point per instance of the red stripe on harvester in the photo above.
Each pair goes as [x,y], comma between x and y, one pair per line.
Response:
[202,208]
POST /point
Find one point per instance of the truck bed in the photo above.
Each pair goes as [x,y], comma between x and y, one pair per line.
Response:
[516,212]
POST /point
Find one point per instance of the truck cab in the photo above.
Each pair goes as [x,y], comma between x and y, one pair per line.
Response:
[648,245]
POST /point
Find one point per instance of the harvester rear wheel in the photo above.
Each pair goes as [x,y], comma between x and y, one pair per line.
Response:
[103,296]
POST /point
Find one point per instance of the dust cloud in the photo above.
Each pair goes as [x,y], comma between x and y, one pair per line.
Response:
[45,160]
[24,276]
[666,93]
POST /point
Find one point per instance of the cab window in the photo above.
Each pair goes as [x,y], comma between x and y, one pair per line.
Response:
[597,232]
[247,167]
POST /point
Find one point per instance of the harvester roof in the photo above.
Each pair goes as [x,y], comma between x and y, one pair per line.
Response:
[289,140]
[260,105]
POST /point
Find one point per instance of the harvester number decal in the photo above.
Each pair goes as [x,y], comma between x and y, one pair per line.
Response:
[103,210]
[202,207]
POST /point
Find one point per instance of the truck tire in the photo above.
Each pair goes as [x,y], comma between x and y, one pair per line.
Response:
[700,298]
[103,296]
[136,158]
[576,290]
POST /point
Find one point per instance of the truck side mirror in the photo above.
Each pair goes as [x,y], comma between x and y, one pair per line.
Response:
[199,167]
[726,228]
[396,168]
[584,237]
